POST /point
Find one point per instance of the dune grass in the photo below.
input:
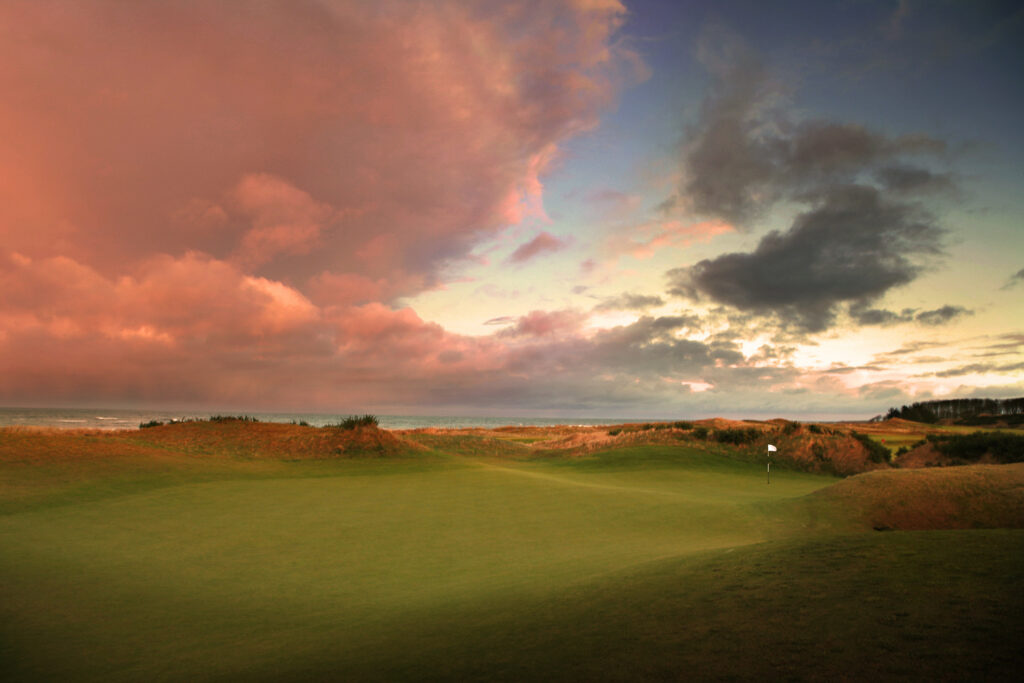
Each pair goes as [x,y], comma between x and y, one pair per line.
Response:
[633,564]
[908,434]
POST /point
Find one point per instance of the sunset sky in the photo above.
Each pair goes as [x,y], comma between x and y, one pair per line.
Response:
[581,208]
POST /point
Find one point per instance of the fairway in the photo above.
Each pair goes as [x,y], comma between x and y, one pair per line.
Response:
[435,568]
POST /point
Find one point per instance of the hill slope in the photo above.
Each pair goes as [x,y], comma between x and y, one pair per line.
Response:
[968,497]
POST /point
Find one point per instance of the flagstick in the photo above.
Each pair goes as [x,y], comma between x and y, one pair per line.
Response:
[769,473]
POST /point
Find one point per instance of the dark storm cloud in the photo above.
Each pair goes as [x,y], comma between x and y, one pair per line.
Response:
[821,147]
[1004,344]
[847,369]
[727,163]
[648,363]
[899,355]
[994,391]
[978,368]
[862,233]
[888,390]
[649,349]
[743,154]
[941,316]
[852,246]
[737,174]
[629,302]
[1015,279]
[862,315]
[905,179]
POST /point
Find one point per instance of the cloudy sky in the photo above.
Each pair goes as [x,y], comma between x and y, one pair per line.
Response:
[579,208]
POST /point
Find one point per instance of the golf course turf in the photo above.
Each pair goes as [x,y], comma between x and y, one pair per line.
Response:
[129,558]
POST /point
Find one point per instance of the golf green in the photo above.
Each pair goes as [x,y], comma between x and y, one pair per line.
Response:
[431,569]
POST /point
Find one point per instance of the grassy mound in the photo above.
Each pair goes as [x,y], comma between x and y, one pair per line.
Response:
[246,439]
[43,467]
[219,438]
[841,449]
[470,443]
[975,496]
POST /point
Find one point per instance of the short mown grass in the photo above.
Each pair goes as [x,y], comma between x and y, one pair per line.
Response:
[462,563]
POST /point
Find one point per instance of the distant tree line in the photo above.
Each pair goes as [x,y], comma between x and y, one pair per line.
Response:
[959,409]
[968,448]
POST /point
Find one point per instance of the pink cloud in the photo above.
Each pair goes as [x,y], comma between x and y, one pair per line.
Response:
[648,238]
[615,202]
[547,324]
[433,122]
[198,328]
[526,198]
[207,205]
[343,289]
[544,242]
[53,286]
[284,218]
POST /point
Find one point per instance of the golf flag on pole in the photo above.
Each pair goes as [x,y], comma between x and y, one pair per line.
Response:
[772,448]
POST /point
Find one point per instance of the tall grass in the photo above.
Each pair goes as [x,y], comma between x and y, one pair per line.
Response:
[737,437]
[357,421]
[649,426]
[876,451]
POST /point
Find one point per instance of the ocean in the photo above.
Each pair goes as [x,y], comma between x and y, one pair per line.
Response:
[98,418]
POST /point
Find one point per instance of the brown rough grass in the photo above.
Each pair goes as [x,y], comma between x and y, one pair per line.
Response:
[967,497]
[273,440]
[816,448]
[259,440]
[830,449]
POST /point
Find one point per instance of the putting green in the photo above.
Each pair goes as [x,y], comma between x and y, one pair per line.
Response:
[440,568]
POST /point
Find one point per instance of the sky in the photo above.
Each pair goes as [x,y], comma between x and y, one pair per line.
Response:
[585,208]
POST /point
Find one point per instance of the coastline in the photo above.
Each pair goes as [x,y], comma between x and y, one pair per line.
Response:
[114,419]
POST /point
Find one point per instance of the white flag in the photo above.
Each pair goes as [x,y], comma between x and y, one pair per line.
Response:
[772,448]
